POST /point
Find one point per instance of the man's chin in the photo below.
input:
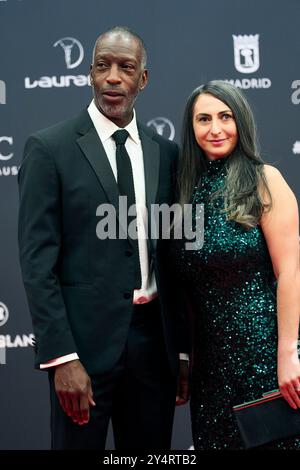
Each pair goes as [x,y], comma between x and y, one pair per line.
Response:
[112,110]
[115,113]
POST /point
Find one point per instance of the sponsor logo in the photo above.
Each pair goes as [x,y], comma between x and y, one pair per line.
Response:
[4,314]
[9,170]
[246,83]
[246,53]
[8,341]
[67,45]
[17,341]
[247,61]
[5,156]
[296,147]
[163,126]
[295,97]
[63,81]
[73,54]
[2,92]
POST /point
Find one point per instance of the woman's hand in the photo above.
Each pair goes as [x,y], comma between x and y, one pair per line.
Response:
[289,377]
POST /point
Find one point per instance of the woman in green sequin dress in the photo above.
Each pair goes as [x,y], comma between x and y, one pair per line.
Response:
[243,283]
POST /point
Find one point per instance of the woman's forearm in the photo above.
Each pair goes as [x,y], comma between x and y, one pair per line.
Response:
[288,310]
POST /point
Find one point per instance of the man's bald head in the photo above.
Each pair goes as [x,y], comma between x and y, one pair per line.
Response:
[124,31]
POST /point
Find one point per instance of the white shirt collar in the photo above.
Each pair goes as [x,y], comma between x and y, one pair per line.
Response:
[106,128]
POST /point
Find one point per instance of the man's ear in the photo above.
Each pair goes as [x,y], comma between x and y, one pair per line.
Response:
[144,80]
[91,77]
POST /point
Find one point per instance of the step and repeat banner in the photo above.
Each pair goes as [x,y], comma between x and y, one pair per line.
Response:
[45,55]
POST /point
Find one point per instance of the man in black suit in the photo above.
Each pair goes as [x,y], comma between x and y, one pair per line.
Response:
[105,310]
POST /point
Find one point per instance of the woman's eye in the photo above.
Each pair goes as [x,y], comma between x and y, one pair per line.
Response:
[226,116]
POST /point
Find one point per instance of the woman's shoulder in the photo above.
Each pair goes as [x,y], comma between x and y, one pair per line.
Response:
[276,183]
[271,172]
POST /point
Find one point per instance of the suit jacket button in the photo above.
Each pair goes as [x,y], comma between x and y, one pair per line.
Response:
[128,253]
[127,295]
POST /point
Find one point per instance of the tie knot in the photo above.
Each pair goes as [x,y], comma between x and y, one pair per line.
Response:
[120,136]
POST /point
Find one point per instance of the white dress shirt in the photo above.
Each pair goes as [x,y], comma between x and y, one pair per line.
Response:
[105,129]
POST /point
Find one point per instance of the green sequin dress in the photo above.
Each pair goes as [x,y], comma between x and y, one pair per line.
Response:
[232,289]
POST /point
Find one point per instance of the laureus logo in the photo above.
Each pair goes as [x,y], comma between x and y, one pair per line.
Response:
[73,54]
[69,45]
[163,127]
[4,314]
[246,53]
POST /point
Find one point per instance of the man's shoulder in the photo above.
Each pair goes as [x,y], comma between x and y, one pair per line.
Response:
[65,127]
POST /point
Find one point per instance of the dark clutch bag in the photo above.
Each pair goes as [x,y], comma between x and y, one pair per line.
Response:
[267,419]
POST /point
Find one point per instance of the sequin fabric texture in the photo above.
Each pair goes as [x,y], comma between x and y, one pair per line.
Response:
[232,289]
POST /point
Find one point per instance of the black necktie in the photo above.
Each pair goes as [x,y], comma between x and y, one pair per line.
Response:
[126,188]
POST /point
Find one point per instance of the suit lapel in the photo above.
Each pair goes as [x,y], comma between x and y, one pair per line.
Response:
[151,154]
[93,150]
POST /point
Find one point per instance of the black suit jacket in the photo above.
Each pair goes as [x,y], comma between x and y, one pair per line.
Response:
[80,288]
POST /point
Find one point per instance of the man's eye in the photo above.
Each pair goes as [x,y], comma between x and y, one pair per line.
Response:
[101,65]
[128,66]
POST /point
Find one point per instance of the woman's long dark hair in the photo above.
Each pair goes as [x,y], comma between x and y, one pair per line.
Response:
[245,180]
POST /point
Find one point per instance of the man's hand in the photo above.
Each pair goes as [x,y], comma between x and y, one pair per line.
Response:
[183,383]
[74,390]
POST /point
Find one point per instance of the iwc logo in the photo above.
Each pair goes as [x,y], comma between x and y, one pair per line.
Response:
[246,53]
[5,155]
[67,45]
[4,314]
[163,127]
